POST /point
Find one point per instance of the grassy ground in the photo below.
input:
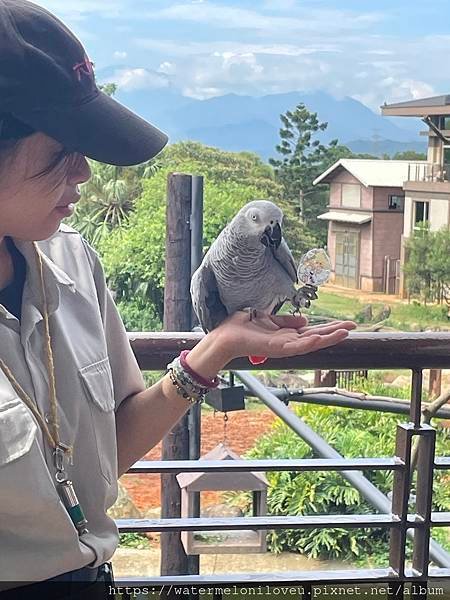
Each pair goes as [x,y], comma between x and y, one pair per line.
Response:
[405,317]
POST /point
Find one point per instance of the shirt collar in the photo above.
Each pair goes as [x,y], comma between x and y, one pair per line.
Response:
[52,273]
[55,279]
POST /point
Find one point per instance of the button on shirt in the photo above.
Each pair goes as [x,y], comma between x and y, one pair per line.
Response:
[95,371]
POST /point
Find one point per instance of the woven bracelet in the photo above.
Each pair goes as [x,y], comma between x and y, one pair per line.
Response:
[203,381]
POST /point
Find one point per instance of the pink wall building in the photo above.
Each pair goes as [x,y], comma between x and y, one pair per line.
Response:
[365,219]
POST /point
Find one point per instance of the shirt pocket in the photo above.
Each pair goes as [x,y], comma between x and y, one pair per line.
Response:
[17,431]
[22,467]
[97,383]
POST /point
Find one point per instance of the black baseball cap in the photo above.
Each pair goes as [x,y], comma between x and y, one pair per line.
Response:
[47,83]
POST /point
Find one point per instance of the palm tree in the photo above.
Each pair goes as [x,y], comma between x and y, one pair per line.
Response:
[106,201]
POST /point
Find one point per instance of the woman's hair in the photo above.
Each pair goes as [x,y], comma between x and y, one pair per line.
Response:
[13,132]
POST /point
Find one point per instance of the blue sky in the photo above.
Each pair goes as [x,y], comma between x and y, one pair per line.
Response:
[370,50]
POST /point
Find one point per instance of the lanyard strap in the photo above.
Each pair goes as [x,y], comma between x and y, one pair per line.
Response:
[52,432]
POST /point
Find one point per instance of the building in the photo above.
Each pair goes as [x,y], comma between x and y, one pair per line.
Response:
[427,185]
[365,222]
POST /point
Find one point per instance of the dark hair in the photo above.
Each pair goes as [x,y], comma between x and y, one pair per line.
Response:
[12,131]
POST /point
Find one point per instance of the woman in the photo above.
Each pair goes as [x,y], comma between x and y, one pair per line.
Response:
[74,411]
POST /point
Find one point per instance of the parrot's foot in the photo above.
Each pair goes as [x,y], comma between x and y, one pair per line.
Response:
[252,313]
[303,297]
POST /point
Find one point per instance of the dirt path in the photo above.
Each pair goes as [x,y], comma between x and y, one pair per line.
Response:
[243,428]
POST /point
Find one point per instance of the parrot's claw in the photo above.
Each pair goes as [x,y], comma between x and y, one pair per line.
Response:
[303,297]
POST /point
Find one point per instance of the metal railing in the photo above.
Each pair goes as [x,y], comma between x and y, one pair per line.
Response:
[431,172]
[416,351]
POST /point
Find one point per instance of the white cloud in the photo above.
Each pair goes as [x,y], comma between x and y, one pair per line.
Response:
[369,67]
[227,17]
[138,79]
[380,52]
[279,5]
[169,68]
[274,46]
[173,48]
[120,55]
[78,9]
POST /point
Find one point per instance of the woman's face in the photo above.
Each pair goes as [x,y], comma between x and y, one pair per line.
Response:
[32,208]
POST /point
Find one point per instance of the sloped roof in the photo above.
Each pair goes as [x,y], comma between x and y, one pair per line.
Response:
[346,217]
[419,108]
[381,173]
[222,481]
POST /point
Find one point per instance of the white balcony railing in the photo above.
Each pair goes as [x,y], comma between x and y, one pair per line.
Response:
[431,172]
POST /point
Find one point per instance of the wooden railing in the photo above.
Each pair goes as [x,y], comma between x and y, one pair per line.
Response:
[415,351]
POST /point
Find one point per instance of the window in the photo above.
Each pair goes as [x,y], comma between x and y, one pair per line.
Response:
[396,202]
[351,195]
[442,122]
[421,213]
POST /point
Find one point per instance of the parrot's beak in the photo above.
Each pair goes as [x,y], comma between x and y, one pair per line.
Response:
[272,236]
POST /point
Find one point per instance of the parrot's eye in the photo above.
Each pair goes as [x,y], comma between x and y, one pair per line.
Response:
[254,217]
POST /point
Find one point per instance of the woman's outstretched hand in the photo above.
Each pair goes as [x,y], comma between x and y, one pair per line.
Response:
[262,336]
[278,336]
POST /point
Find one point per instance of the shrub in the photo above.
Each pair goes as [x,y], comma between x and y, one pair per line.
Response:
[353,434]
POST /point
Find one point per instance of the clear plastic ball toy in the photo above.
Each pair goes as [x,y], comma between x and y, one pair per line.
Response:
[314,268]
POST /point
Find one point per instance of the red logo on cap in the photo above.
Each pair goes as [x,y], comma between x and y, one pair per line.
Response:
[85,67]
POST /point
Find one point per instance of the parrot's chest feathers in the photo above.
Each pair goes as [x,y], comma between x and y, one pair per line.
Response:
[250,278]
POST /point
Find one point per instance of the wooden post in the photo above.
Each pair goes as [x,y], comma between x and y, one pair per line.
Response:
[177,317]
[317,377]
[434,387]
[329,380]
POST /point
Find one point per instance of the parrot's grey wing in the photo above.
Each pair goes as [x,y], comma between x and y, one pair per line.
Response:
[208,306]
[285,258]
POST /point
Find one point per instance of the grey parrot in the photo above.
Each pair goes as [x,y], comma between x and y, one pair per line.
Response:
[248,266]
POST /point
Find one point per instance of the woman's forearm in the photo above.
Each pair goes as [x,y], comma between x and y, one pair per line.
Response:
[142,420]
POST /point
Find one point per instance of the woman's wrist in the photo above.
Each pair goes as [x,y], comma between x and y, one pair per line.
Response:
[170,392]
[210,355]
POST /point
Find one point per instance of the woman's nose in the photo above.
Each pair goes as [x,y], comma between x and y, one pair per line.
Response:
[79,171]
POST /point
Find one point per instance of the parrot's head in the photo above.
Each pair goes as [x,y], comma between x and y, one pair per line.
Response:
[261,221]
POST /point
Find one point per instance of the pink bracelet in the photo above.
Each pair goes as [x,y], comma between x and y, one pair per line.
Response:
[208,383]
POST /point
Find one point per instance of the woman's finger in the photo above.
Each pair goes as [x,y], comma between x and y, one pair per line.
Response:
[311,343]
[328,327]
[289,321]
[330,339]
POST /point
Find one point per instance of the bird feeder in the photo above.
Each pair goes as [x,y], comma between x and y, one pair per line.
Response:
[223,542]
[227,397]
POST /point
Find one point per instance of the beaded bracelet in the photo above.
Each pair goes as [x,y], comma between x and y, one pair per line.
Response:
[182,391]
[185,383]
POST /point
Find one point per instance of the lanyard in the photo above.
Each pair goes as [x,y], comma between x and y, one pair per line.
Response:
[51,430]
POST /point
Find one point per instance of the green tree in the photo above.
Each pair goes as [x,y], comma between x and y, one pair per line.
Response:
[302,160]
[133,247]
[244,169]
[427,264]
[133,254]
[106,201]
[108,88]
[353,433]
[409,155]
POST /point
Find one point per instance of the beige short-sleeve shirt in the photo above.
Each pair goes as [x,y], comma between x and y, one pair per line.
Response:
[95,371]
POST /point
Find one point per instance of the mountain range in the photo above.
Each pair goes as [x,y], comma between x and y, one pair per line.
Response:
[234,122]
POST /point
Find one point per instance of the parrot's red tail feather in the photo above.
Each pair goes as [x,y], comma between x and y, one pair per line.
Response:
[257,360]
